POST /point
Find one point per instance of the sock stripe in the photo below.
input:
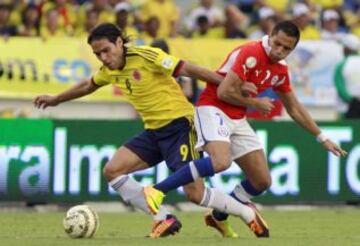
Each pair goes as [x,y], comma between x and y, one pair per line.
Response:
[249,188]
[120,182]
[206,199]
[235,196]
[193,170]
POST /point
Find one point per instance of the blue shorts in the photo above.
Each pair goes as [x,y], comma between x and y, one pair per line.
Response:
[173,143]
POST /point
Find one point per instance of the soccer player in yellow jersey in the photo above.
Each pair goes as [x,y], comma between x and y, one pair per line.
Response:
[146,77]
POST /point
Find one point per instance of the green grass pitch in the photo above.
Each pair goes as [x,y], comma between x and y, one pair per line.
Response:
[321,227]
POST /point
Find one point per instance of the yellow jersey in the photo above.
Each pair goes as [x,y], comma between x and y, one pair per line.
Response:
[326,4]
[278,5]
[147,83]
[310,33]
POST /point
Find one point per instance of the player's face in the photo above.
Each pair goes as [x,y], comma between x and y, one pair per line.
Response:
[110,54]
[281,45]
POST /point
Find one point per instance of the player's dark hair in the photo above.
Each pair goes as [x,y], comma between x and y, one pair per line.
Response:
[289,28]
[109,31]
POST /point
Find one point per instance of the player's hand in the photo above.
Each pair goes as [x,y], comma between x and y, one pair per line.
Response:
[248,88]
[45,101]
[334,148]
[264,105]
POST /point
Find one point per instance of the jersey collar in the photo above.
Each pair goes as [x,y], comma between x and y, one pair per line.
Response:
[265,44]
[267,48]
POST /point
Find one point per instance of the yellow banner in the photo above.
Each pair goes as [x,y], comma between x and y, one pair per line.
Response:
[29,67]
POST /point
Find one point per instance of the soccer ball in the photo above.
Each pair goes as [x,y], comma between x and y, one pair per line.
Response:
[81,222]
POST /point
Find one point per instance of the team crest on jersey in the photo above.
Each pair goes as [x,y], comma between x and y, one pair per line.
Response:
[167,62]
[250,62]
[136,75]
[223,131]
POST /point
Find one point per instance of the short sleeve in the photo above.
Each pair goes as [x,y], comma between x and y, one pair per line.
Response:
[101,78]
[283,85]
[244,63]
[168,64]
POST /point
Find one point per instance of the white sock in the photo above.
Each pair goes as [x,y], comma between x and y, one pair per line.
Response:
[241,194]
[131,192]
[216,199]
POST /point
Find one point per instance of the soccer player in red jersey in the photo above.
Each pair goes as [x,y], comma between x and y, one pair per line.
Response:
[226,136]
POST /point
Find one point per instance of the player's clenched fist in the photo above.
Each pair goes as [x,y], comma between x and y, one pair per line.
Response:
[44,101]
[264,105]
[248,88]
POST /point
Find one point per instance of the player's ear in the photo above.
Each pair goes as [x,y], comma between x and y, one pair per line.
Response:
[119,41]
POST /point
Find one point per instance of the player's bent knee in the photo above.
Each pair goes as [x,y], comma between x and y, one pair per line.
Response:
[267,183]
[221,163]
[108,172]
[263,184]
[111,171]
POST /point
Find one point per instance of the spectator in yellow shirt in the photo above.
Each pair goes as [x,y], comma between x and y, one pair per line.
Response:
[280,6]
[204,30]
[214,14]
[122,11]
[30,17]
[151,29]
[66,15]
[302,19]
[167,13]
[92,19]
[327,4]
[105,12]
[6,28]
[51,27]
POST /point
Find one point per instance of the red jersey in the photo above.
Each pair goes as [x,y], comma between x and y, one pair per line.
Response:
[252,64]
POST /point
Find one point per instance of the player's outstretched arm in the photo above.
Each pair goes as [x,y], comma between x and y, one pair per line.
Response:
[201,73]
[81,89]
[300,115]
[204,74]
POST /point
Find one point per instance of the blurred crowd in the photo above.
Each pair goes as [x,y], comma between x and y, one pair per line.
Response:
[147,20]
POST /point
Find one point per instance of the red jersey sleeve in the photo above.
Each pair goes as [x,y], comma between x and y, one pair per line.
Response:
[245,61]
[284,84]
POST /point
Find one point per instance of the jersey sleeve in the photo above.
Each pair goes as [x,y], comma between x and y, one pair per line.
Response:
[284,84]
[167,64]
[101,78]
[245,61]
